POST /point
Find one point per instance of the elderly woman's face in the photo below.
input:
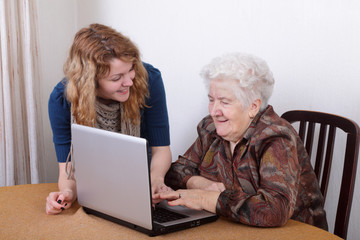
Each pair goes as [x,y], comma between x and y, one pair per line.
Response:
[230,119]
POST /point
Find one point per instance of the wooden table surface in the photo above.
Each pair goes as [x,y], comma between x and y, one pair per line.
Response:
[22,216]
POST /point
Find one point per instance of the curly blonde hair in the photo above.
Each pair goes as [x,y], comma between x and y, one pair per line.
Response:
[88,61]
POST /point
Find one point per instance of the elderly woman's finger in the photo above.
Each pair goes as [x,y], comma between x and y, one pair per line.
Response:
[170,195]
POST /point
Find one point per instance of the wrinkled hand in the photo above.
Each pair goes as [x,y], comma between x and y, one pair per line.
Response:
[158,186]
[193,198]
[56,202]
[199,182]
[215,186]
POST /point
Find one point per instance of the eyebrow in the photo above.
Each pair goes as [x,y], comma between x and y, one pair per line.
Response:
[116,74]
[221,98]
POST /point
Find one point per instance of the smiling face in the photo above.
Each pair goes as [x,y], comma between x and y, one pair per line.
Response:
[230,119]
[116,86]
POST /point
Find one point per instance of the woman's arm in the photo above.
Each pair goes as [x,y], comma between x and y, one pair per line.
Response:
[67,185]
[200,182]
[193,198]
[56,202]
[272,202]
[59,116]
[184,173]
[160,164]
[271,205]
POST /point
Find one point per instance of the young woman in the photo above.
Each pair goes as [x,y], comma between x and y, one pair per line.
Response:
[107,86]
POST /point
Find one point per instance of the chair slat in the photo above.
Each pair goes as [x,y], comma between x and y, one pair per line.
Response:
[320,151]
[310,138]
[328,160]
[302,128]
[347,184]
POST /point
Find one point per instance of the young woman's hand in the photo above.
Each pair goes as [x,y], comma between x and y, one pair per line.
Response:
[158,186]
[57,202]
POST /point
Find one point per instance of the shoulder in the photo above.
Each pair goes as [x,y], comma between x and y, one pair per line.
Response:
[59,88]
[206,126]
[57,96]
[270,125]
[153,72]
[155,84]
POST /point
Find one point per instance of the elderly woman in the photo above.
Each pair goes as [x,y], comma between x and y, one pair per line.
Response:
[247,164]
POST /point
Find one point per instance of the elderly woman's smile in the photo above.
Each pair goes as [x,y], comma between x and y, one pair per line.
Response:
[230,119]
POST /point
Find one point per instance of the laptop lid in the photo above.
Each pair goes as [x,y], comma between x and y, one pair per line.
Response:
[110,172]
[113,181]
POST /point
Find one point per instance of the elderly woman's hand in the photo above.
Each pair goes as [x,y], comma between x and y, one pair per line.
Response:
[198,182]
[193,198]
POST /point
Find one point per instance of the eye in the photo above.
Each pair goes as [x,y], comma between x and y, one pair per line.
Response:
[224,103]
[117,78]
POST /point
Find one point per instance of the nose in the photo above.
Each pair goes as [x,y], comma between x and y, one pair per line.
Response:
[128,81]
[214,109]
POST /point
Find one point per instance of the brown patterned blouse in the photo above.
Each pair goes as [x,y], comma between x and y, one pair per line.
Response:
[268,179]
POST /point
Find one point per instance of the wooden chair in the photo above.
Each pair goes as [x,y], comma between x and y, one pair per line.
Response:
[328,124]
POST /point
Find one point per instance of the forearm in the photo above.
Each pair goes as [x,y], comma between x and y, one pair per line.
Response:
[193,198]
[269,201]
[160,162]
[66,184]
[200,182]
[261,209]
[187,165]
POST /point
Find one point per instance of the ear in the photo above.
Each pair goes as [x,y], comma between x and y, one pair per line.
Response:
[254,108]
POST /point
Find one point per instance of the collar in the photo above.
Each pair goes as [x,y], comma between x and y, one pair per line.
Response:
[251,129]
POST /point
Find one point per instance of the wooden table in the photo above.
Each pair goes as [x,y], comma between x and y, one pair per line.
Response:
[22,216]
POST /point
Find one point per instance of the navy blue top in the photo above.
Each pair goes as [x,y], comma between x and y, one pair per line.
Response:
[154,124]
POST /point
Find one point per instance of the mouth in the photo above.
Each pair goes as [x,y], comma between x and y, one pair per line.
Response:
[220,120]
[123,91]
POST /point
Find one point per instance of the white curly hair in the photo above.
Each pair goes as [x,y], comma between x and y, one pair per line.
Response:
[255,80]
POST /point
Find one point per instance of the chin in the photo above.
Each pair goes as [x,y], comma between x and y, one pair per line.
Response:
[123,98]
[221,134]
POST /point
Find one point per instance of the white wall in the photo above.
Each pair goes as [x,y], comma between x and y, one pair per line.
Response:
[311,46]
[57,26]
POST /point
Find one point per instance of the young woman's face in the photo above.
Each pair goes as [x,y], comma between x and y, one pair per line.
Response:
[116,86]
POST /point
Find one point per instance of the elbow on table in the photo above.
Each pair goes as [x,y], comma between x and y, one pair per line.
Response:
[264,220]
[272,220]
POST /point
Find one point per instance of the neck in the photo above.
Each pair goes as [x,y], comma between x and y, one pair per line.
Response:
[106,101]
[232,146]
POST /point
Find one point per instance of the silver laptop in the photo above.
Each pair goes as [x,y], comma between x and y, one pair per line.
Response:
[113,182]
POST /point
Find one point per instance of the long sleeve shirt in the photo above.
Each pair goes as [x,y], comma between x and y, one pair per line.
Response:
[154,124]
[268,178]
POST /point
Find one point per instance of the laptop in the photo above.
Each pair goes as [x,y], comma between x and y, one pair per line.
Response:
[113,182]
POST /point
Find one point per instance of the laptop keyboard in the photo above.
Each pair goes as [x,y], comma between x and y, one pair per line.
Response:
[162,215]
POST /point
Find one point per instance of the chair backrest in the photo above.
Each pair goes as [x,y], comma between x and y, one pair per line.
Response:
[328,123]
